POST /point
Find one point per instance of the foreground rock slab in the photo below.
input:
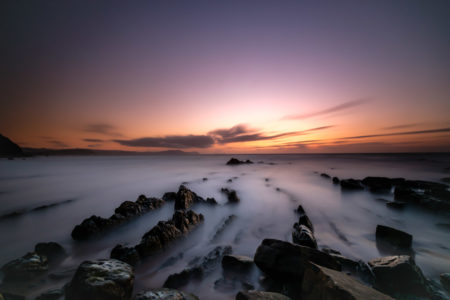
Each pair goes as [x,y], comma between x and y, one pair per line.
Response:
[105,279]
[27,267]
[258,295]
[394,237]
[164,294]
[320,283]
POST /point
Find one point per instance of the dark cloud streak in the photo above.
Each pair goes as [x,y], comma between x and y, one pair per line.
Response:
[173,141]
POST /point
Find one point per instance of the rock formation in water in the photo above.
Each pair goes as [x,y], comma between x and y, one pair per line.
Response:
[8,148]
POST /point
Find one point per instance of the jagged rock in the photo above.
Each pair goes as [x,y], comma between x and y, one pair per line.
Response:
[126,254]
[302,235]
[164,294]
[336,180]
[27,267]
[300,210]
[231,195]
[169,196]
[9,148]
[279,258]
[55,294]
[235,161]
[304,220]
[128,210]
[396,204]
[432,195]
[399,276]
[325,175]
[445,281]
[351,184]
[53,251]
[358,268]
[104,279]
[394,237]
[258,295]
[185,198]
[200,269]
[222,226]
[320,283]
[236,262]
[211,201]
[379,184]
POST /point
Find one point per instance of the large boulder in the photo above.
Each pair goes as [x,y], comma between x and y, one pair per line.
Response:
[399,276]
[320,283]
[283,259]
[27,267]
[392,236]
[104,279]
[53,251]
[236,262]
[351,184]
[234,161]
[164,294]
[185,198]
[378,184]
[258,295]
[302,235]
[231,195]
[126,254]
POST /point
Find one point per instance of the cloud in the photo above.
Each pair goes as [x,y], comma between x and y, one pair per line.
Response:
[401,126]
[333,109]
[172,141]
[93,140]
[57,143]
[398,133]
[102,128]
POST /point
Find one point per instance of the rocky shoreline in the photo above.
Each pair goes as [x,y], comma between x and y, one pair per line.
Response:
[288,270]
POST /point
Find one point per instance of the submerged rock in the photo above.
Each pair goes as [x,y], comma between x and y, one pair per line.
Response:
[320,283]
[379,184]
[394,237]
[236,262]
[27,267]
[304,220]
[351,184]
[231,195]
[222,226]
[336,180]
[399,276]
[234,161]
[53,251]
[125,254]
[164,294]
[283,259]
[325,175]
[302,235]
[104,279]
[259,295]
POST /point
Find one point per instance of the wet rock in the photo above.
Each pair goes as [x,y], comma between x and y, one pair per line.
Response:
[399,205]
[378,184]
[53,251]
[445,281]
[300,210]
[211,201]
[201,268]
[325,175]
[185,198]
[279,258]
[358,268]
[164,294]
[234,161]
[399,276]
[432,195]
[336,180]
[169,196]
[258,295]
[94,225]
[351,184]
[126,254]
[27,267]
[304,220]
[394,237]
[231,195]
[322,284]
[10,296]
[302,235]
[55,294]
[236,262]
[105,279]
[205,179]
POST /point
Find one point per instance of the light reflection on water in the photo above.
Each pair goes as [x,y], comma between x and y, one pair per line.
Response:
[344,221]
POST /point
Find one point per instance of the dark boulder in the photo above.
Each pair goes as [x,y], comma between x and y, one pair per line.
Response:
[9,148]
[300,210]
[128,209]
[394,237]
[336,180]
[169,196]
[236,262]
[231,195]
[27,267]
[304,220]
[259,295]
[325,175]
[185,198]
[302,235]
[399,205]
[126,254]
[320,283]
[164,294]
[431,195]
[351,184]
[378,184]
[105,279]
[54,294]
[445,281]
[10,296]
[399,276]
[234,161]
[283,259]
[53,251]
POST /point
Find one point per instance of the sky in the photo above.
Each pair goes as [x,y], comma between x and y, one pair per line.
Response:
[227,76]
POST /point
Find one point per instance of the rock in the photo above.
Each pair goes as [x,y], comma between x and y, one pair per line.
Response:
[432,195]
[325,175]
[170,196]
[9,296]
[126,254]
[211,201]
[258,295]
[302,235]
[164,294]
[445,281]
[205,179]
[235,161]
[222,226]
[321,283]
[27,267]
[236,262]
[107,279]
[203,267]
[9,148]
[378,184]
[357,268]
[304,220]
[279,258]
[300,210]
[336,180]
[51,295]
[185,198]
[351,184]
[399,276]
[231,195]
[53,251]
[446,179]
[394,237]
[396,204]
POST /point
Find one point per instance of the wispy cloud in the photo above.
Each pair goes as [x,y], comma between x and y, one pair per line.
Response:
[398,133]
[57,143]
[102,128]
[343,106]
[172,141]
[400,126]
[93,140]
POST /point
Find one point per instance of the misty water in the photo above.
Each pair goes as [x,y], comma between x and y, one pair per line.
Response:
[269,193]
